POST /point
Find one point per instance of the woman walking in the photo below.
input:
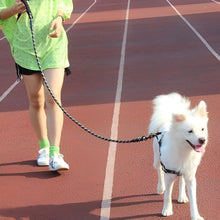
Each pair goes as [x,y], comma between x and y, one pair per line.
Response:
[52,48]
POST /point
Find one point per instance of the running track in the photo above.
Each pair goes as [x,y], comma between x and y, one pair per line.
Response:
[123,52]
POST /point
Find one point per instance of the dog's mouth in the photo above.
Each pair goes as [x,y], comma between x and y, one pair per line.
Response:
[198,148]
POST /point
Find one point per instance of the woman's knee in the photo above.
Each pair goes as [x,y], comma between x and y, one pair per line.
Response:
[36,101]
[50,100]
[55,81]
[35,90]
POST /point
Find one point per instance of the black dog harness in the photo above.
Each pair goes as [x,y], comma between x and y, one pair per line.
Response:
[163,166]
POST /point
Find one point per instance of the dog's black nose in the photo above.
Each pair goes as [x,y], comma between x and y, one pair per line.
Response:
[202,140]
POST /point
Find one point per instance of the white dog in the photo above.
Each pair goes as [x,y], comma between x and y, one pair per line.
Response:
[179,148]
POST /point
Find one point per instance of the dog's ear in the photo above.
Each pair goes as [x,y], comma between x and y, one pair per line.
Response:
[179,117]
[201,110]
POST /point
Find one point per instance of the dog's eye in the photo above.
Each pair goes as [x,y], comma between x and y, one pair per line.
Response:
[203,129]
[190,131]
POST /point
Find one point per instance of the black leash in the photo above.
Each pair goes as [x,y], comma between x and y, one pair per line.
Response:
[138,139]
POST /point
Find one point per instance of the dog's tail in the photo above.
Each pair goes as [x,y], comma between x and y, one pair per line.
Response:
[164,108]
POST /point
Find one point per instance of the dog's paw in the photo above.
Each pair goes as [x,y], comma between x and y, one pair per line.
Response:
[160,189]
[167,212]
[183,199]
[197,218]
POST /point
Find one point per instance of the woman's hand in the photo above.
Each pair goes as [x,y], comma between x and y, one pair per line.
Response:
[19,7]
[57,26]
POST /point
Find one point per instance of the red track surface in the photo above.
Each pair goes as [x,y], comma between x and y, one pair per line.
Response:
[162,55]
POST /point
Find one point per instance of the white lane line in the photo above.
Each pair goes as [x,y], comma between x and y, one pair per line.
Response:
[3,38]
[216,2]
[214,53]
[109,174]
[73,24]
[5,94]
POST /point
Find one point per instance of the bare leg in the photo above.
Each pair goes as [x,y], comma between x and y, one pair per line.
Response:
[35,91]
[55,79]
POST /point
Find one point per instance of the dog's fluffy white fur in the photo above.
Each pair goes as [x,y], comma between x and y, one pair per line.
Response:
[184,139]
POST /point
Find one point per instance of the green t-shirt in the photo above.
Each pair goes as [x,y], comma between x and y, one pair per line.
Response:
[52,52]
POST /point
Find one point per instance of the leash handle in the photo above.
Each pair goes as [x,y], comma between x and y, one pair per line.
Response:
[28,9]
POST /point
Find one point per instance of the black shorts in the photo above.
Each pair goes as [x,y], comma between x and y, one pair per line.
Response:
[23,71]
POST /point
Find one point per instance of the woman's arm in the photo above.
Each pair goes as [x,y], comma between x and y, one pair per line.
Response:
[57,25]
[18,7]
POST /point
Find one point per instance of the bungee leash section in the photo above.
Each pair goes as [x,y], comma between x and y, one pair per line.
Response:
[138,139]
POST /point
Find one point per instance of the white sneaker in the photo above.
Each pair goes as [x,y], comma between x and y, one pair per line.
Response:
[57,163]
[43,158]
